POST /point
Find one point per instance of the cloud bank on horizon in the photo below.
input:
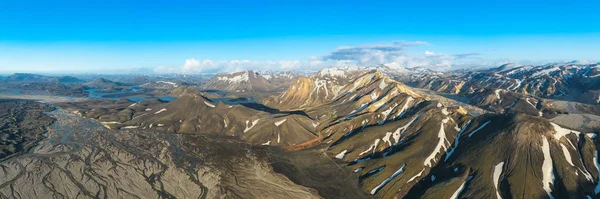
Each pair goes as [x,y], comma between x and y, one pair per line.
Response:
[394,54]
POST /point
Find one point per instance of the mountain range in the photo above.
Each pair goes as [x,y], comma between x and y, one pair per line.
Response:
[506,132]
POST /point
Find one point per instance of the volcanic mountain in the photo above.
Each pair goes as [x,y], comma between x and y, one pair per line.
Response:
[280,79]
[401,144]
[515,88]
[245,81]
[565,81]
[325,86]
[508,156]
[194,113]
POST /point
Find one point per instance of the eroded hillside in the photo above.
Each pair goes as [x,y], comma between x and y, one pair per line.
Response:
[381,138]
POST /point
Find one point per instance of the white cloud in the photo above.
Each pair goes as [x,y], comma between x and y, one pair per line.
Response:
[397,55]
[217,66]
[394,54]
[372,54]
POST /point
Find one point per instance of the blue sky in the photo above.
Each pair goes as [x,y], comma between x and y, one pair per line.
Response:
[119,36]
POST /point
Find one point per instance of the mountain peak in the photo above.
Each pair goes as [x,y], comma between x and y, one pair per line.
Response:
[244,81]
[342,72]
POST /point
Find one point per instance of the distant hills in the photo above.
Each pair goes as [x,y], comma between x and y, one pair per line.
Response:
[104,83]
[30,78]
[565,81]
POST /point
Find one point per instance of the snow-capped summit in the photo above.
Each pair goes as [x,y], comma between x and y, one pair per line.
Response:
[580,62]
[244,81]
[567,80]
[280,78]
[338,72]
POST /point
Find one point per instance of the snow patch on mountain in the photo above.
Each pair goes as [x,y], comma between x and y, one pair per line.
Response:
[527,99]
[545,72]
[280,122]
[416,176]
[244,77]
[398,172]
[250,127]
[480,127]
[405,107]
[170,83]
[561,132]
[386,113]
[336,72]
[497,92]
[567,154]
[445,111]
[382,84]
[497,173]
[278,137]
[160,111]
[386,138]
[396,135]
[547,168]
[371,148]
[456,141]
[460,188]
[441,144]
[341,154]
[209,104]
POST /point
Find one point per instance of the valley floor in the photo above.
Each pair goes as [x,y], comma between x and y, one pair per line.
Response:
[80,158]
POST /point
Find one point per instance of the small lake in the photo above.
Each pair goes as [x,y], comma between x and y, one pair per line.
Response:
[97,93]
[216,92]
[234,100]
